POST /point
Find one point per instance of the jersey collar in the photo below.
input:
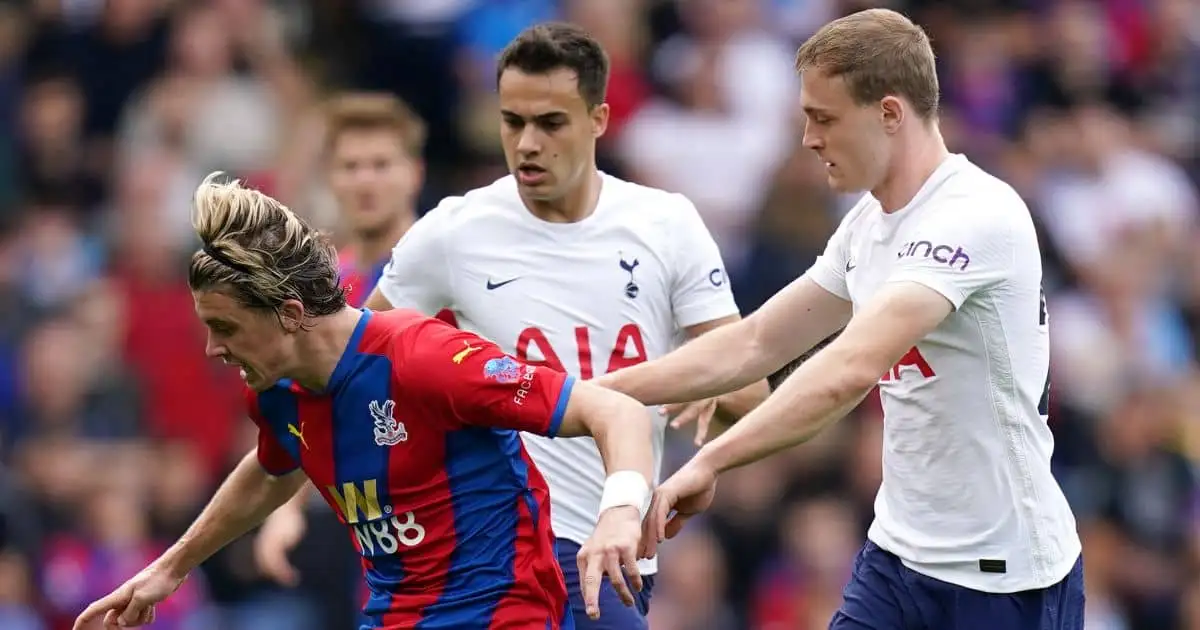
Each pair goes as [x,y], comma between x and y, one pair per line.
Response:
[350,355]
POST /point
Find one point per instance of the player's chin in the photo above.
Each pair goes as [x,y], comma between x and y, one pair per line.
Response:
[255,380]
[541,189]
[840,184]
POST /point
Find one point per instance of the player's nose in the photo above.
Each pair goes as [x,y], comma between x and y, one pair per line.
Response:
[528,144]
[811,140]
[213,350]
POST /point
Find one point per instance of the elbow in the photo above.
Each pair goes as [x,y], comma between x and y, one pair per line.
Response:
[858,376]
[759,355]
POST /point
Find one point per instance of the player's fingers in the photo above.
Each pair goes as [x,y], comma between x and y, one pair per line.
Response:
[675,524]
[647,543]
[703,420]
[612,566]
[147,617]
[581,561]
[680,414]
[629,563]
[133,612]
[592,572]
[105,604]
[110,619]
[661,508]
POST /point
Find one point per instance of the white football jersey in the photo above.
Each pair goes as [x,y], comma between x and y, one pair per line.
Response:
[967,494]
[587,298]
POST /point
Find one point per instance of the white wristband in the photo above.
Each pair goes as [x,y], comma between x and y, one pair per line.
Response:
[626,487]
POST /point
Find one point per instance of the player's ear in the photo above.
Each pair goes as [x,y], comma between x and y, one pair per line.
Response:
[599,116]
[891,110]
[291,315]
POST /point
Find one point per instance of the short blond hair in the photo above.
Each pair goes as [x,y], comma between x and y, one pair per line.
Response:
[260,252]
[878,52]
[374,111]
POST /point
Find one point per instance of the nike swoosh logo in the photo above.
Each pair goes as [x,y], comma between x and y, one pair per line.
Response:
[850,266]
[496,285]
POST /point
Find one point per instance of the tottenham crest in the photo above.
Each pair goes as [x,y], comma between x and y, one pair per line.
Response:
[388,430]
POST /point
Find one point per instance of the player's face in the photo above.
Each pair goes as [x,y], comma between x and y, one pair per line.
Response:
[251,339]
[848,138]
[373,178]
[548,132]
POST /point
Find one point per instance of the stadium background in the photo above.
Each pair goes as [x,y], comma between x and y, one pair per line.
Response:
[114,428]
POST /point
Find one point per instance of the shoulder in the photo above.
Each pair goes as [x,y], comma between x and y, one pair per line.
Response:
[859,213]
[975,202]
[260,405]
[478,210]
[387,333]
[634,203]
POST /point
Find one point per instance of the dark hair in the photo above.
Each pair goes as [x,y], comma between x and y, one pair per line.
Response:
[543,48]
[261,252]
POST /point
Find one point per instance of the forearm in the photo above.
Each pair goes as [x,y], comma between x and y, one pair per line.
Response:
[818,393]
[623,433]
[715,363]
[242,502]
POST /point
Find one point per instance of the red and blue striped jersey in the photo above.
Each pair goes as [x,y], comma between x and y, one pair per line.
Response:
[358,281]
[415,445]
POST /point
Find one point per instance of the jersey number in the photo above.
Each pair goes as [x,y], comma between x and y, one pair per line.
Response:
[1044,403]
[385,536]
[629,349]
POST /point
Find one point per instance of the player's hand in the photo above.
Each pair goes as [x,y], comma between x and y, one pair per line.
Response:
[611,548]
[687,493]
[701,412]
[132,604]
[280,534]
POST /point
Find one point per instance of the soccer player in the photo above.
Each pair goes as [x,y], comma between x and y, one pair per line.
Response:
[372,150]
[409,428]
[936,275]
[373,145]
[567,267]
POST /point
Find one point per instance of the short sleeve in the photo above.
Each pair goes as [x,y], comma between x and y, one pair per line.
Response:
[417,276]
[829,269]
[271,455]
[700,290]
[470,381]
[957,253]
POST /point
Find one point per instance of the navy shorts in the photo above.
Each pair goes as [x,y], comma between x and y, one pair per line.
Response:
[883,594]
[614,614]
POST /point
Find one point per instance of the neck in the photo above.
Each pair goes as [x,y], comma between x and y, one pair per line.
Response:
[371,248]
[321,347]
[920,155]
[577,205]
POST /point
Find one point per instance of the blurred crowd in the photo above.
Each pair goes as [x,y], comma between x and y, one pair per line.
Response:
[114,428]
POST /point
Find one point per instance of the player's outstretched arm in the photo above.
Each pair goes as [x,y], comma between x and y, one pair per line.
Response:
[822,389]
[832,382]
[246,497]
[736,355]
[619,425]
[624,434]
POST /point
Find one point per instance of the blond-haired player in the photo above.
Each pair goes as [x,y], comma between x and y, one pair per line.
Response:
[936,275]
